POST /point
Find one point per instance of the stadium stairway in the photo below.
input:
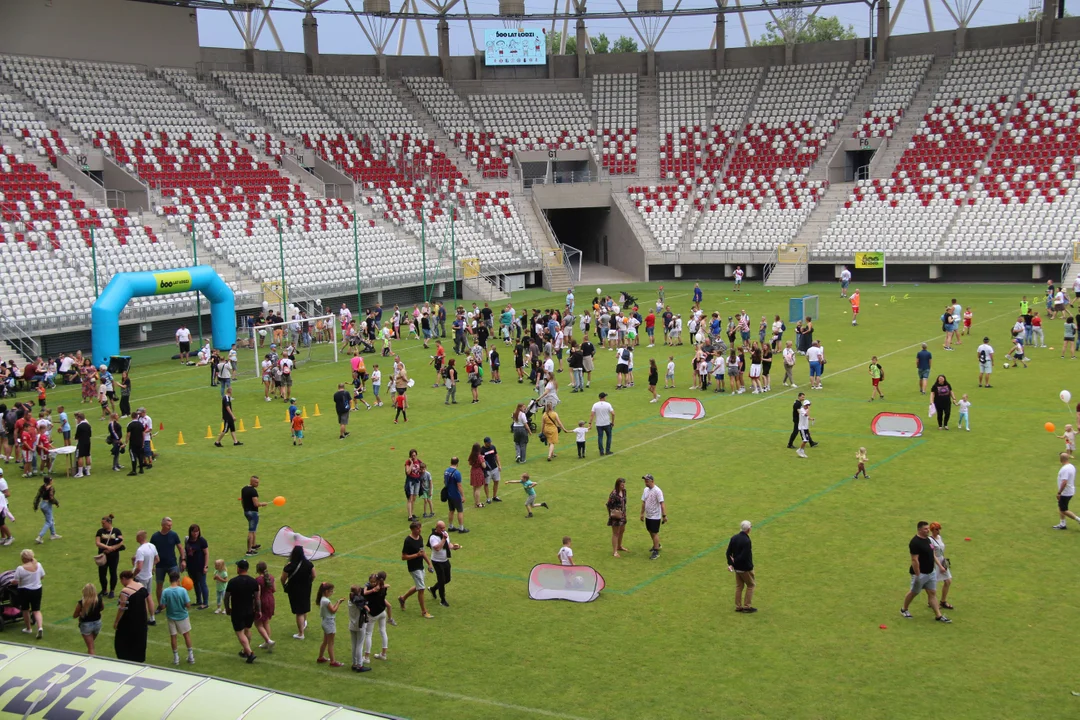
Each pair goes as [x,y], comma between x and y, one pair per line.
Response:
[887,157]
[852,118]
[819,219]
[451,150]
[648,134]
[785,275]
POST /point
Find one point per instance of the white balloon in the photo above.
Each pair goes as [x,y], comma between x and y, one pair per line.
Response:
[598,291]
[1065,396]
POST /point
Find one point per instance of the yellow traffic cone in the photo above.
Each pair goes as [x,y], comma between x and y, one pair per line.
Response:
[303,412]
[180,440]
[209,433]
[258,425]
[287,419]
[241,428]
[317,413]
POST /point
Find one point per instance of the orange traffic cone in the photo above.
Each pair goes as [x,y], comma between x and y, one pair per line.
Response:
[241,428]
[180,440]
[317,413]
[209,433]
[161,426]
[258,425]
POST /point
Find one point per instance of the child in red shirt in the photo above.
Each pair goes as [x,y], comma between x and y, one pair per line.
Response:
[401,403]
[298,429]
[28,441]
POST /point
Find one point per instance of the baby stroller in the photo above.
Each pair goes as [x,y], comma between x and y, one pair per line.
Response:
[531,409]
[9,600]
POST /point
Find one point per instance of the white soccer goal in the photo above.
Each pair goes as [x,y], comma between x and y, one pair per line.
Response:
[314,339]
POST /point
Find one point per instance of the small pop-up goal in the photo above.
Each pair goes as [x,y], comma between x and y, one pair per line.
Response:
[314,339]
[315,547]
[576,583]
[682,409]
[891,424]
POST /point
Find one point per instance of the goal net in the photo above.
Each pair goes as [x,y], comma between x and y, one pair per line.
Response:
[312,339]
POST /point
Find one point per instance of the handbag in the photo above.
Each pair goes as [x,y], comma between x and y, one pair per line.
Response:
[100,559]
[444,495]
[933,410]
[616,514]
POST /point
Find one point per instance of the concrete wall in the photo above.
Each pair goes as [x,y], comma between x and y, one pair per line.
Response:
[937,44]
[584,195]
[624,251]
[107,30]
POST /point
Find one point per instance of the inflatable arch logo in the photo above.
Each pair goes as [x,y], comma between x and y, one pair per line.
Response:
[105,315]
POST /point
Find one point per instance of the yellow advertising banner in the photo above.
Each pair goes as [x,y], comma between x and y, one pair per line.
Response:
[869,260]
[470,267]
[173,281]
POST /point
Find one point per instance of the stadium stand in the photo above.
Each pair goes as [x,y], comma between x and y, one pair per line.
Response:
[908,213]
[615,102]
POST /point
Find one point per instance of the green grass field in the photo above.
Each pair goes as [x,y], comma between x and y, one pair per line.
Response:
[662,641]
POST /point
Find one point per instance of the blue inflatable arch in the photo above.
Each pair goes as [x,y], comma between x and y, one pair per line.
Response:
[105,315]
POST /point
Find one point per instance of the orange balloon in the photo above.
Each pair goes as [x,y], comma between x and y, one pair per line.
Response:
[279,500]
[187,583]
[1049,427]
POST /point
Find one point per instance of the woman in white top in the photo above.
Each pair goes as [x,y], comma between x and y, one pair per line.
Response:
[944,580]
[29,576]
[550,397]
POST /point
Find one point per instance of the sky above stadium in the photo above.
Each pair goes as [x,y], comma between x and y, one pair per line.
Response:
[341,34]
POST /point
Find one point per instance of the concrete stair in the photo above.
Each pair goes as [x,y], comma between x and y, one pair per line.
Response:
[853,115]
[788,275]
[887,157]
[648,135]
[819,219]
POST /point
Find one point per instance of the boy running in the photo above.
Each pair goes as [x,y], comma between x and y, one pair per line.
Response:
[530,493]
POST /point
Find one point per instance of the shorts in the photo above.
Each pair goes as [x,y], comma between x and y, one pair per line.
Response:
[82,450]
[612,335]
[30,600]
[653,526]
[185,347]
[90,628]
[253,519]
[587,364]
[650,331]
[924,374]
[229,425]
[492,475]
[286,380]
[942,576]
[875,381]
[298,434]
[804,435]
[329,625]
[923,581]
[343,418]
[412,487]
[1069,339]
[855,311]
[558,353]
[455,504]
[1063,502]
[242,622]
[161,575]
[844,283]
[755,371]
[622,368]
[530,501]
[266,378]
[179,627]
[427,334]
[986,368]
[815,369]
[418,579]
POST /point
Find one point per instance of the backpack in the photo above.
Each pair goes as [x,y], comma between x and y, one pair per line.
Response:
[626,355]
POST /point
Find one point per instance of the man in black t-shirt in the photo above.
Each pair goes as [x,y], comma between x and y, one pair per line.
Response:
[134,441]
[412,552]
[249,500]
[588,350]
[228,419]
[922,570]
[795,408]
[341,406]
[242,604]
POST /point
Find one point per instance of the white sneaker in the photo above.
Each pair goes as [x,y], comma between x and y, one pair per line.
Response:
[175,658]
[55,537]
[191,658]
[39,540]
[801,453]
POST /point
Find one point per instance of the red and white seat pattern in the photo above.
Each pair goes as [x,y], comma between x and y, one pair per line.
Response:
[1026,199]
[763,196]
[907,213]
[615,101]
[484,150]
[894,96]
[46,233]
